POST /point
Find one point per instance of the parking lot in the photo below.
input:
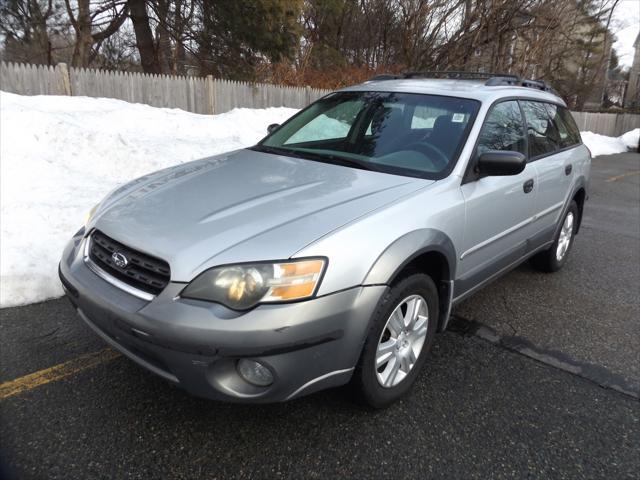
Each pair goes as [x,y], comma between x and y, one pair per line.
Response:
[538,377]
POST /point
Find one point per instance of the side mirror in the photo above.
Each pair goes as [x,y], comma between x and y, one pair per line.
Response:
[273,127]
[500,163]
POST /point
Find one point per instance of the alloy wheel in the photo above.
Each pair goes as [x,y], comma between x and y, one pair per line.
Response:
[401,341]
[566,232]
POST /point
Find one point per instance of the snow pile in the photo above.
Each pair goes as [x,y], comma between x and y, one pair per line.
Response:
[631,139]
[59,156]
[603,145]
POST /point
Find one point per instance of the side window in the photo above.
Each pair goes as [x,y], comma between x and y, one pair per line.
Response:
[503,129]
[570,125]
[334,124]
[543,135]
[568,136]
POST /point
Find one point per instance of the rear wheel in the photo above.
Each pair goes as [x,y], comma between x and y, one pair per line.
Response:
[555,257]
[401,333]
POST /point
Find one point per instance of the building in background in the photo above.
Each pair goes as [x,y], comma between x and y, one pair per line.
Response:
[528,44]
[632,96]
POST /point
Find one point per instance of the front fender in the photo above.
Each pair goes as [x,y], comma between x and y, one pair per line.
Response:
[408,247]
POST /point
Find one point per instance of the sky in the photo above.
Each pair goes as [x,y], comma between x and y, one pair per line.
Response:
[626,25]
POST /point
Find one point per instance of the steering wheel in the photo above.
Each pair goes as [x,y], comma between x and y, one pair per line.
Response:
[441,161]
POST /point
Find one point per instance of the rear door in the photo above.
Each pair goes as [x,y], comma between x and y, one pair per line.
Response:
[498,210]
[549,142]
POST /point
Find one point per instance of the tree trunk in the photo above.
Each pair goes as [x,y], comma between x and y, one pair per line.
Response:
[165,48]
[144,37]
[84,41]
[181,21]
[42,54]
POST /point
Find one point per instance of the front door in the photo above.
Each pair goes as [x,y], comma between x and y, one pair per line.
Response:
[498,210]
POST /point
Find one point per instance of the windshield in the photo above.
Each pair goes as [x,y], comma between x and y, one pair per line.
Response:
[401,133]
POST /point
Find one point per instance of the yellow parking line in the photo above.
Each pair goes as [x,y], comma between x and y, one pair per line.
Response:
[55,373]
[624,175]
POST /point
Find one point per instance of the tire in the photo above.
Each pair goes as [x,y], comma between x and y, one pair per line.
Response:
[552,260]
[407,352]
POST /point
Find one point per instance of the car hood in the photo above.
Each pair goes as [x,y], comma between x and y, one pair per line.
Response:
[241,206]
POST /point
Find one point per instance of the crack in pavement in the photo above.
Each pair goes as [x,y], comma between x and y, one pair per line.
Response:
[588,371]
[507,307]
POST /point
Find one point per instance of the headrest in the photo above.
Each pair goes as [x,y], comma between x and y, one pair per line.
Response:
[386,119]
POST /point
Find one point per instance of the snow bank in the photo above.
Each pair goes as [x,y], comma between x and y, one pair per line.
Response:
[631,139]
[60,155]
[603,145]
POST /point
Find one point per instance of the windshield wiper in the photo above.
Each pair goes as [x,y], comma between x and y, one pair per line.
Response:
[345,162]
[274,150]
[316,156]
[337,159]
[285,152]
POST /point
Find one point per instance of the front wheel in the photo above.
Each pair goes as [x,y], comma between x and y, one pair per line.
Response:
[401,333]
[555,257]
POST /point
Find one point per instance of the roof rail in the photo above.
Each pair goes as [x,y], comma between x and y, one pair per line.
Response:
[502,80]
[456,75]
[453,75]
[492,79]
[521,82]
[539,84]
[384,76]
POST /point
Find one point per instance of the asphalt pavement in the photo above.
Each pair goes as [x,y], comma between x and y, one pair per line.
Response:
[537,378]
[590,310]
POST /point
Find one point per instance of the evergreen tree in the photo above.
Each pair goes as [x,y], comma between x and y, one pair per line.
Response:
[235,36]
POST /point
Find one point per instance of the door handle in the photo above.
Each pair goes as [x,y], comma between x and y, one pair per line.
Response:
[528,186]
[567,169]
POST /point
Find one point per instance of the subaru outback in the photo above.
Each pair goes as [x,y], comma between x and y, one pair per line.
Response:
[333,250]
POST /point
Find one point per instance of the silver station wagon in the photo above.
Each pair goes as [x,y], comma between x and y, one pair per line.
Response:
[333,250]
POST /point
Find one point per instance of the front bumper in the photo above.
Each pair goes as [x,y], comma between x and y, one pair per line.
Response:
[308,346]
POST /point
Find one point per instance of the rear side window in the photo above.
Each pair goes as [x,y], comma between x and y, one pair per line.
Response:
[542,133]
[568,124]
[503,129]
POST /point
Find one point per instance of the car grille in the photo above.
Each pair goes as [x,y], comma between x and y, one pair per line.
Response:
[142,271]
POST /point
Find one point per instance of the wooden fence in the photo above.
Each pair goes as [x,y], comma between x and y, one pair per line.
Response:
[611,124]
[206,94]
[194,94]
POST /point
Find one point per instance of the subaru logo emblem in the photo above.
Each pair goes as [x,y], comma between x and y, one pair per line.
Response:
[119,259]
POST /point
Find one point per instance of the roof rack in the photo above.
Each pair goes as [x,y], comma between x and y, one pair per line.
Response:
[492,79]
[456,75]
[502,80]
[520,82]
[539,84]
[385,76]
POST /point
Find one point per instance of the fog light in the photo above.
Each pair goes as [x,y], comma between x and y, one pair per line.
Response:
[254,372]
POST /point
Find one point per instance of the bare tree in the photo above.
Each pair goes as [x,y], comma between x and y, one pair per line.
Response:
[93,24]
[174,28]
[324,43]
[25,24]
[144,36]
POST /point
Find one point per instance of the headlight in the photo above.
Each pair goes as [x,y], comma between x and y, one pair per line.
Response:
[244,286]
[89,216]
